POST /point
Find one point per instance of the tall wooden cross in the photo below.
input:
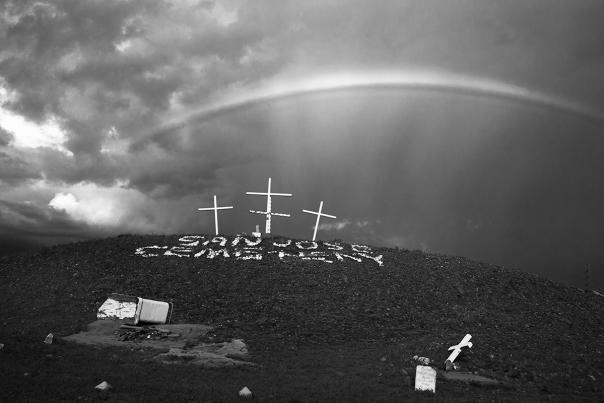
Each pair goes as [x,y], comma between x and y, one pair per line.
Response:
[319,214]
[215,208]
[268,211]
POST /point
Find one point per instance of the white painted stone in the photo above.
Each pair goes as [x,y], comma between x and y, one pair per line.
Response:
[333,246]
[360,248]
[425,378]
[243,247]
[249,254]
[341,256]
[318,255]
[103,386]
[191,240]
[222,241]
[142,250]
[118,308]
[247,241]
[283,245]
[245,392]
[49,338]
[307,245]
[377,259]
[179,251]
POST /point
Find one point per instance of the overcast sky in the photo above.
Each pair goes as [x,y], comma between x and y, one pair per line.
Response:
[466,127]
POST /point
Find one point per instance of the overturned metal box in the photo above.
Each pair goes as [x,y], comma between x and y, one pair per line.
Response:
[135,310]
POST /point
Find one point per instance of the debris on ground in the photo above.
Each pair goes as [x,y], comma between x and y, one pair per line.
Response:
[245,392]
[49,338]
[135,309]
[181,343]
[139,333]
[103,386]
[421,360]
[469,377]
[450,366]
[425,378]
[1,346]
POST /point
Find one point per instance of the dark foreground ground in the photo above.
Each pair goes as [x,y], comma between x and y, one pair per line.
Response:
[319,332]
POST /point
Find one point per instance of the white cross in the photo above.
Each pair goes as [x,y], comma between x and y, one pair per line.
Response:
[268,211]
[319,214]
[465,342]
[215,208]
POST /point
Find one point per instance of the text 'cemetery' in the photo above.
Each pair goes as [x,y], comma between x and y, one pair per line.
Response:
[243,247]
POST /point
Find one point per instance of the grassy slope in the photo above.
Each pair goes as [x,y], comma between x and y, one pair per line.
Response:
[345,331]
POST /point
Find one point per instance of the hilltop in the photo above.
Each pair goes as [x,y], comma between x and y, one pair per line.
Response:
[320,327]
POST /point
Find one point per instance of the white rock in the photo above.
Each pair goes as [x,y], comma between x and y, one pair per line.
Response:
[103,386]
[245,392]
[48,339]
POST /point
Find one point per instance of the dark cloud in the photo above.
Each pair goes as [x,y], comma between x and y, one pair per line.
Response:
[487,178]
[5,137]
[14,170]
[40,224]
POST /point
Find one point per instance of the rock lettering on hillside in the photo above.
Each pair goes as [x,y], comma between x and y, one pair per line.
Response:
[243,247]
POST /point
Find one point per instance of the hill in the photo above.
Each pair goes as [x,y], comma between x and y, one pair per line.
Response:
[323,322]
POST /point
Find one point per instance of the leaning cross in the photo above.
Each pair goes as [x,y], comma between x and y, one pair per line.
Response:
[319,214]
[465,342]
[268,211]
[215,208]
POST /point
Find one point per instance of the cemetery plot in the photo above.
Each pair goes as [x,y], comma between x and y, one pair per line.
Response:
[242,247]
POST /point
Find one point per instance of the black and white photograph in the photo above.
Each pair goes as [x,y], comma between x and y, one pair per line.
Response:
[302,201]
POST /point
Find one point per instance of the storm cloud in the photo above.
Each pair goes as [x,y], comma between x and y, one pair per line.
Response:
[126,116]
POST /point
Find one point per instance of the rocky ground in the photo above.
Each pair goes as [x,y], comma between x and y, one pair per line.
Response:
[345,331]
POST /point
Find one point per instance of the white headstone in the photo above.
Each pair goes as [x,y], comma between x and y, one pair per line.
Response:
[425,378]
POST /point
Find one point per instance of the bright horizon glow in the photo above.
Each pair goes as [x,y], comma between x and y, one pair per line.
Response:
[285,87]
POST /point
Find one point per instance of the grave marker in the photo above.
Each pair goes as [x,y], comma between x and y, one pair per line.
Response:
[215,208]
[465,342]
[269,213]
[425,378]
[319,214]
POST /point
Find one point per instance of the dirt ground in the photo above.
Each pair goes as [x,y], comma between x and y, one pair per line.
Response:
[315,332]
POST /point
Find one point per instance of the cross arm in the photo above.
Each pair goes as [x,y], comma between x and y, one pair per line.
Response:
[321,214]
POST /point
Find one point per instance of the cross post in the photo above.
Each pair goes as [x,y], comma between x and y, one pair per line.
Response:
[465,342]
[215,208]
[268,211]
[319,214]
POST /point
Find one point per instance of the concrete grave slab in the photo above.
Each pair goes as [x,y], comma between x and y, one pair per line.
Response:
[182,344]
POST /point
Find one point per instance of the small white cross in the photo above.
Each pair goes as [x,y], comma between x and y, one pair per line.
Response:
[268,211]
[465,342]
[319,214]
[215,208]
